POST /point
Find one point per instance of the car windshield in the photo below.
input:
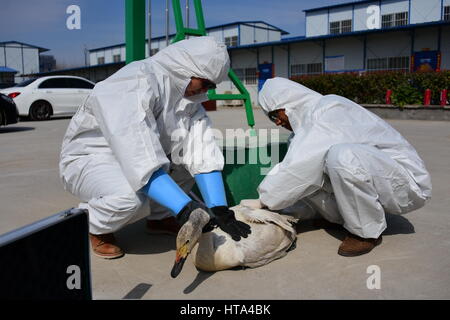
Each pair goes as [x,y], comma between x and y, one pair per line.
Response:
[25,83]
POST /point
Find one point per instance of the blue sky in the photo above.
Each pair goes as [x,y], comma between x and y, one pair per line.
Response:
[43,22]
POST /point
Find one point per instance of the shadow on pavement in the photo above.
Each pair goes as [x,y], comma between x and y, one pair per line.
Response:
[201,277]
[397,224]
[134,240]
[14,129]
[137,292]
[26,119]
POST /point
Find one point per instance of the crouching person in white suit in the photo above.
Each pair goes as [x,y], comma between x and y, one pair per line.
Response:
[138,134]
[349,165]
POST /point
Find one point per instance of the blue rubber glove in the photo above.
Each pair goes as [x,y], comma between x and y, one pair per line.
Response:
[213,193]
[162,189]
[212,188]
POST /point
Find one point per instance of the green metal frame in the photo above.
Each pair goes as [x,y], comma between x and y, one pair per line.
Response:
[135,30]
[135,45]
[182,32]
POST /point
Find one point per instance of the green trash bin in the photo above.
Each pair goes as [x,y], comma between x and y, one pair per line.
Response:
[245,167]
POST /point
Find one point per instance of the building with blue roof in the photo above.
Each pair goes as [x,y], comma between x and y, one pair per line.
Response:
[357,36]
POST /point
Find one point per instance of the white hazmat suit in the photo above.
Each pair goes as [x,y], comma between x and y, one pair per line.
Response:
[345,161]
[122,133]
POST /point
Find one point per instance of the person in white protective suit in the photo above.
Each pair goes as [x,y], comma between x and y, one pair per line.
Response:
[138,134]
[344,162]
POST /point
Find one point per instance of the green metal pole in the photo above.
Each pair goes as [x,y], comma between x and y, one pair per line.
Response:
[199,15]
[178,21]
[182,31]
[134,30]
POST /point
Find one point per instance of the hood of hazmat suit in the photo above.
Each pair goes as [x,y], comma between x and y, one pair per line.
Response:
[319,122]
[140,116]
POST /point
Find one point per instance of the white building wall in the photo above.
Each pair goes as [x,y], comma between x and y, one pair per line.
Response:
[426,38]
[306,52]
[14,59]
[425,11]
[30,60]
[280,57]
[395,44]
[244,58]
[361,16]
[2,57]
[265,55]
[261,35]
[317,23]
[246,35]
[274,35]
[108,56]
[230,31]
[352,48]
[339,14]
[394,6]
[217,34]
[445,48]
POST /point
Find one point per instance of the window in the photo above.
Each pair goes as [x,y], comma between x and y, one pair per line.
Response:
[25,83]
[55,83]
[387,21]
[231,41]
[79,84]
[394,19]
[116,58]
[250,76]
[101,60]
[305,69]
[154,51]
[239,73]
[401,19]
[247,75]
[398,63]
[343,26]
[389,63]
[447,13]
[346,26]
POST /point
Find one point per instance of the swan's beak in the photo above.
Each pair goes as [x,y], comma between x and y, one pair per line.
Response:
[180,258]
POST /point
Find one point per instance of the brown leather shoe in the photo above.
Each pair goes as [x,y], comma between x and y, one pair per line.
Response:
[353,245]
[164,226]
[104,246]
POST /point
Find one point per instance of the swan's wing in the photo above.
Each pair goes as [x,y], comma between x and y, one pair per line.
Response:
[264,216]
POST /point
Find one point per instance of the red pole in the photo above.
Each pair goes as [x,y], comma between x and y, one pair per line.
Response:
[427,97]
[443,97]
[388,96]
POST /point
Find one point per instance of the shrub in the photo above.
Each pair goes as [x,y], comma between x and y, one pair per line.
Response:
[370,88]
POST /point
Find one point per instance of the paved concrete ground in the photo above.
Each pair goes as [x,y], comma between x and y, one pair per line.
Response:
[414,257]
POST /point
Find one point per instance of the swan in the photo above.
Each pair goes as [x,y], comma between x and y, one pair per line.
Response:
[272,236]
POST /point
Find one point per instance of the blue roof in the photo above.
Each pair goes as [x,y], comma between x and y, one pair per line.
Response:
[9,70]
[338,5]
[26,44]
[328,36]
[283,32]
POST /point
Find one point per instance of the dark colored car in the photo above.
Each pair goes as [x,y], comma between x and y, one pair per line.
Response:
[8,111]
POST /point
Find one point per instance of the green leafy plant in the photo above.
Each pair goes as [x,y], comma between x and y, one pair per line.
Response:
[370,88]
[405,95]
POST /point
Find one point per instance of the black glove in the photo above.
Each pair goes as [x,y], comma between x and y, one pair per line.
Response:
[184,214]
[224,218]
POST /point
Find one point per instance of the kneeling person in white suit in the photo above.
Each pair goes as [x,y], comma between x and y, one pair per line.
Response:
[118,148]
[349,165]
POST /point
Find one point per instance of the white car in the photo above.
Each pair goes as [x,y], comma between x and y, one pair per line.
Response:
[43,97]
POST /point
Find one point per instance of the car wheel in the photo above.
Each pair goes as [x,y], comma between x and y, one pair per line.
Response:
[2,118]
[40,110]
